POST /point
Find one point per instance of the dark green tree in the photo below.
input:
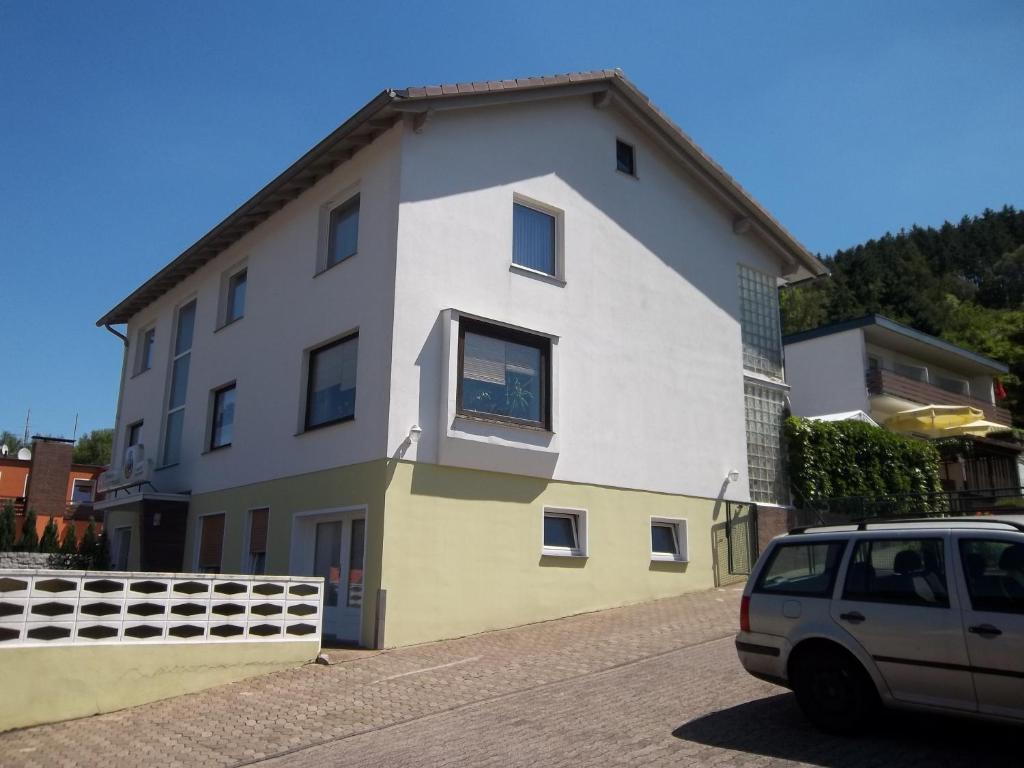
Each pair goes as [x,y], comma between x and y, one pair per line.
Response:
[49,542]
[94,447]
[101,553]
[29,541]
[87,547]
[69,544]
[12,441]
[7,528]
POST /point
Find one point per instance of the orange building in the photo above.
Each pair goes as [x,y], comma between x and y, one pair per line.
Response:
[51,484]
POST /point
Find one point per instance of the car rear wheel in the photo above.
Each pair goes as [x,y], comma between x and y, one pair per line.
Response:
[834,691]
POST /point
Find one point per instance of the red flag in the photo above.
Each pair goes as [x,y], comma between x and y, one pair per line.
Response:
[1000,390]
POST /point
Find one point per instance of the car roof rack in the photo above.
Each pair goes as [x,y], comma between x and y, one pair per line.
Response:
[862,524]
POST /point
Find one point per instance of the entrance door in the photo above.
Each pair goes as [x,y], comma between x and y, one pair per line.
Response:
[338,557]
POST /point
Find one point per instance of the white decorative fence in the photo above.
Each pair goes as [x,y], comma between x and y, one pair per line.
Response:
[54,607]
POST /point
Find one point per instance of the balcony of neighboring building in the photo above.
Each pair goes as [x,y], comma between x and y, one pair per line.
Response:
[891,392]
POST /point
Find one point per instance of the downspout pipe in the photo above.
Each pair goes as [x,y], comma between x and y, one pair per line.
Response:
[117,333]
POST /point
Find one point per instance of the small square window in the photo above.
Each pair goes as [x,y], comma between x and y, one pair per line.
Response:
[668,540]
[331,387]
[625,158]
[144,355]
[343,232]
[565,533]
[81,491]
[533,239]
[235,307]
[223,417]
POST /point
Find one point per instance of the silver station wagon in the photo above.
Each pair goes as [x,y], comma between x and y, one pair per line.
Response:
[918,614]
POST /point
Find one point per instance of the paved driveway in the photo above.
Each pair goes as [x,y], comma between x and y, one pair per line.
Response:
[655,684]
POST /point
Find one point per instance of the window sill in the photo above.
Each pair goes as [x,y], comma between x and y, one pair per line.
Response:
[222,326]
[627,174]
[329,267]
[326,424]
[166,466]
[575,554]
[139,373]
[536,274]
[503,423]
[667,558]
[215,448]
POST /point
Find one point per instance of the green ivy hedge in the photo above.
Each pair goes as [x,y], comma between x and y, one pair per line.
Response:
[836,460]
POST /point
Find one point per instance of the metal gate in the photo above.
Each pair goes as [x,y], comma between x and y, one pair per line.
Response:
[735,543]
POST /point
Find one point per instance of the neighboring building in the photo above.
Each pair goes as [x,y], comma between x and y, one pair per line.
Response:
[51,484]
[486,355]
[885,369]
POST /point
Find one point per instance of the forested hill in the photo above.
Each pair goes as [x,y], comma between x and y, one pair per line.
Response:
[963,282]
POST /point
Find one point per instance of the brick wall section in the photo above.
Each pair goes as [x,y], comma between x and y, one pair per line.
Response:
[772,522]
[48,481]
[888,383]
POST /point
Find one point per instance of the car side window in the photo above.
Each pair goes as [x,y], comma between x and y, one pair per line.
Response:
[994,570]
[901,571]
[807,569]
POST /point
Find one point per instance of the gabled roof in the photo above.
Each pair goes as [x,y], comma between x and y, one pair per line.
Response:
[890,334]
[608,86]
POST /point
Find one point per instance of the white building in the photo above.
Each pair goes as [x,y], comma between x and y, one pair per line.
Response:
[488,354]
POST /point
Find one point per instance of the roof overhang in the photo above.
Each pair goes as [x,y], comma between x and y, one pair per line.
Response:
[888,334]
[137,497]
[608,87]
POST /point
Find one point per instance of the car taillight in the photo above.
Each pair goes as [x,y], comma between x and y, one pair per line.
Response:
[745,614]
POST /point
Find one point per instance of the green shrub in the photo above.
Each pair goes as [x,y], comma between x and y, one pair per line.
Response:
[7,528]
[840,463]
[29,541]
[49,542]
[87,547]
[69,544]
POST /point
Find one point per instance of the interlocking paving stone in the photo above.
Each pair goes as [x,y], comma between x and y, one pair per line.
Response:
[652,684]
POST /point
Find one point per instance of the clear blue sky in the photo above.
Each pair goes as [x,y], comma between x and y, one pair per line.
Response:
[129,129]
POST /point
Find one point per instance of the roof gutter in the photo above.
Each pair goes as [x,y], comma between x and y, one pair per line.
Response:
[119,335]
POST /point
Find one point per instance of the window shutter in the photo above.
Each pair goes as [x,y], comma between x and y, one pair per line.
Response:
[484,359]
[258,531]
[533,239]
[212,542]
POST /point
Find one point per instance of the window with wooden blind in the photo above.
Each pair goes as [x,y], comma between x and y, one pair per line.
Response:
[258,522]
[211,543]
[504,374]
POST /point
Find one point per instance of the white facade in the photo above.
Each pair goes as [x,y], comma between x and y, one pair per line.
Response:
[826,375]
[648,383]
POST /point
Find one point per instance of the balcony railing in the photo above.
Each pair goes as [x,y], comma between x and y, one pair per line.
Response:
[883,382]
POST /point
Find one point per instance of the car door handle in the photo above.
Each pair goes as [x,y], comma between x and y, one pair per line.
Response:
[854,617]
[985,630]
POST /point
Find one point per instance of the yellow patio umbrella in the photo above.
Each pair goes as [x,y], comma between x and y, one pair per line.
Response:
[933,420]
[978,428]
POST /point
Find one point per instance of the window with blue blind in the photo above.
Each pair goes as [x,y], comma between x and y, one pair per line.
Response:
[533,239]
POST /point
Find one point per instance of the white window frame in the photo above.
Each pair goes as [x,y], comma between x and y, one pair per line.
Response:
[579,516]
[559,216]
[224,296]
[140,342]
[173,358]
[211,414]
[199,539]
[680,532]
[74,483]
[247,537]
[307,354]
[339,200]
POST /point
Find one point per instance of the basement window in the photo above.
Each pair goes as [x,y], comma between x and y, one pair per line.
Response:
[565,532]
[668,540]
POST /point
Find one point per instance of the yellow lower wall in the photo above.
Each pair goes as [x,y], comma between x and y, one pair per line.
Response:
[462,551]
[352,486]
[47,684]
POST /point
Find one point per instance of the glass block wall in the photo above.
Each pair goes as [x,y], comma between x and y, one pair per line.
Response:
[764,410]
[759,321]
